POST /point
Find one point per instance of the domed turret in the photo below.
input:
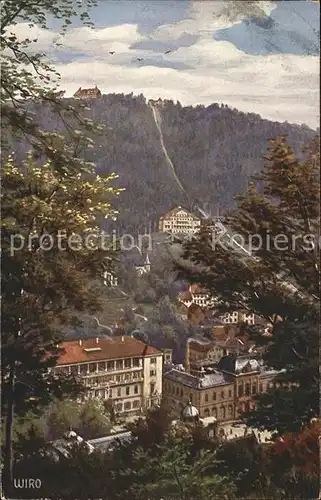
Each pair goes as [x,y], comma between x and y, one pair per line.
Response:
[72,436]
[190,412]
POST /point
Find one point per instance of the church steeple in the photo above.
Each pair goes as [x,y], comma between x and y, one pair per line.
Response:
[147,264]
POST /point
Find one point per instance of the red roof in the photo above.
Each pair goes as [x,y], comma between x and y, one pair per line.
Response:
[175,210]
[113,348]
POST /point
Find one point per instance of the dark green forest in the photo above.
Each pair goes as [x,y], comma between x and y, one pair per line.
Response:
[215,151]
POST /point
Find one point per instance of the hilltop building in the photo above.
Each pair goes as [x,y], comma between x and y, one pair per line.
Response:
[156,102]
[93,93]
[179,221]
[121,369]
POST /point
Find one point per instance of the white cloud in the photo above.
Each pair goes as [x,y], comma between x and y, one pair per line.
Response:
[101,41]
[279,87]
[204,17]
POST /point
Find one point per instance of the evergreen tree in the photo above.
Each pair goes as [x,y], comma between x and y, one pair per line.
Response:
[266,261]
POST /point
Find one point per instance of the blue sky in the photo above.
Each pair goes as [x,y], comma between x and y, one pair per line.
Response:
[266,64]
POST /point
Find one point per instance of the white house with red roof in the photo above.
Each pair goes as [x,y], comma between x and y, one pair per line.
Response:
[121,369]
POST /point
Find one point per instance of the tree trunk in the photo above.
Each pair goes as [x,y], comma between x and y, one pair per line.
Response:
[8,458]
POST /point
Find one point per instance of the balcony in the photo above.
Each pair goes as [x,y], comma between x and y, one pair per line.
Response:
[111,371]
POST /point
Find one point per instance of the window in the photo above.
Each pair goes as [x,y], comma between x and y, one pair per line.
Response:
[152,373]
[240,391]
[222,395]
[74,369]
[64,370]
[127,376]
[206,412]
[254,389]
[128,363]
[83,369]
[153,361]
[119,407]
[92,367]
[118,378]
[182,393]
[230,393]
[152,388]
[214,396]
[136,389]
[206,397]
[230,410]
[119,364]
[136,362]
[214,412]
[191,398]
[177,391]
[110,365]
[127,405]
[110,393]
[118,392]
[222,411]
[261,387]
[247,389]
[136,403]
[101,366]
[127,391]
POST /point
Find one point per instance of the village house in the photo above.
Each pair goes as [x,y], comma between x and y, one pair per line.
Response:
[201,352]
[235,317]
[110,279]
[179,221]
[120,369]
[201,297]
[196,295]
[92,93]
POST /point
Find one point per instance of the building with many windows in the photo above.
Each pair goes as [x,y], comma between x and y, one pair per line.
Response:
[92,93]
[179,221]
[120,369]
[212,394]
[235,317]
[223,390]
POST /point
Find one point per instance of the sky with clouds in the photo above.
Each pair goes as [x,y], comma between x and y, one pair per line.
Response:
[266,64]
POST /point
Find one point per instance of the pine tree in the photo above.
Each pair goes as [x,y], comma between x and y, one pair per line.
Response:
[276,276]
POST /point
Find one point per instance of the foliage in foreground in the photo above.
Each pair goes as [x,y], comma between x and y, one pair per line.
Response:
[277,277]
[165,462]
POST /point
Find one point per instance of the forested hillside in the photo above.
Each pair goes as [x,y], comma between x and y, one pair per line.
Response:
[214,151]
